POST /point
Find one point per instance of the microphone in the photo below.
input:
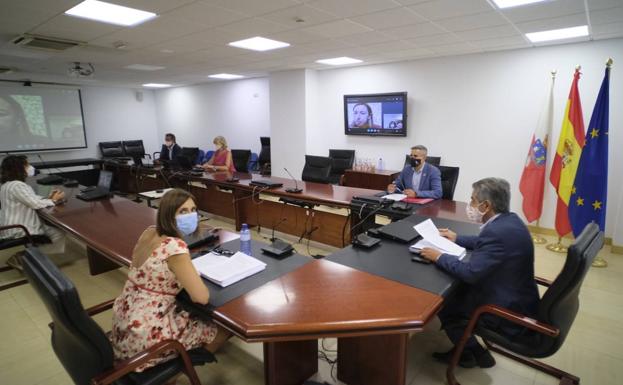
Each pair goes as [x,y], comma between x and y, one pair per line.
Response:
[383,204]
[272,238]
[296,188]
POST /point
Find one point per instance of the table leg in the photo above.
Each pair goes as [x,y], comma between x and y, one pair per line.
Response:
[290,362]
[98,263]
[373,360]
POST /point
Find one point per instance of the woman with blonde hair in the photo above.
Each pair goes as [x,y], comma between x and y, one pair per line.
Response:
[146,312]
[222,159]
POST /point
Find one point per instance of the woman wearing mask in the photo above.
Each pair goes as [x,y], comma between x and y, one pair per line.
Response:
[222,159]
[146,313]
[18,203]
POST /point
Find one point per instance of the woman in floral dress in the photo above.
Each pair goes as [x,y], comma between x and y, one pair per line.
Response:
[146,313]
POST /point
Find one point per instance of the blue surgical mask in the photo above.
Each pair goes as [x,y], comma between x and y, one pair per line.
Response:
[187,223]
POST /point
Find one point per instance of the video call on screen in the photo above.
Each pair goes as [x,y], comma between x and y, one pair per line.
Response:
[382,115]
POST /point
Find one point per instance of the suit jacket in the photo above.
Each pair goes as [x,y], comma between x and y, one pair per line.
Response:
[500,269]
[430,182]
[175,151]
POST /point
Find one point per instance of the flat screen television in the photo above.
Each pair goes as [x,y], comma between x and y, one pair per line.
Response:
[376,114]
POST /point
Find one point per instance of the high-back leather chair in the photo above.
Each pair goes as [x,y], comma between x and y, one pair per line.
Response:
[133,148]
[81,345]
[317,169]
[434,160]
[264,157]
[26,239]
[342,161]
[111,149]
[557,310]
[449,177]
[241,159]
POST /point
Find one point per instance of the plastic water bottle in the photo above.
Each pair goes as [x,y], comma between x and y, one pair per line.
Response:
[379,164]
[245,239]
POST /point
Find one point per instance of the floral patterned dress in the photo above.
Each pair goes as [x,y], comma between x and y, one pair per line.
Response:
[145,313]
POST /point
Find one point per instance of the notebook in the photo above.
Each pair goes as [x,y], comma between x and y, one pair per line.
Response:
[224,271]
[431,238]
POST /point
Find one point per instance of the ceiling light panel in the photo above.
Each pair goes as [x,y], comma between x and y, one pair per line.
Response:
[110,13]
[259,44]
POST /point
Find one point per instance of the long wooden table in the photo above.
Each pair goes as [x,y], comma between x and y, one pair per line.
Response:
[371,316]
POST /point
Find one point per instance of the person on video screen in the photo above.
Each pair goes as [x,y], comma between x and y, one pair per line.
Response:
[14,127]
[363,117]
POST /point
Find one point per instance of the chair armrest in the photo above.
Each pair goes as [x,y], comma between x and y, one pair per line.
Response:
[543,281]
[21,227]
[100,307]
[123,367]
[517,318]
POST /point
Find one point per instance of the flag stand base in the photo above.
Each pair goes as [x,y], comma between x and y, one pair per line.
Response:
[538,240]
[599,262]
[557,247]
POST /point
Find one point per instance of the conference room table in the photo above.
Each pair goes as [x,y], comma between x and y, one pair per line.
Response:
[370,314]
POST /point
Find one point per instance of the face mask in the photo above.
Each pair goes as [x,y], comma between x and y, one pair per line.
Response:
[168,143]
[187,223]
[30,170]
[473,213]
[415,162]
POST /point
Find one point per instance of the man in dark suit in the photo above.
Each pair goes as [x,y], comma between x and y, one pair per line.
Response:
[418,179]
[170,149]
[500,270]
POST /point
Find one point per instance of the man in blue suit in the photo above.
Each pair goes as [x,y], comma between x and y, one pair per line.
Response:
[170,149]
[500,270]
[418,179]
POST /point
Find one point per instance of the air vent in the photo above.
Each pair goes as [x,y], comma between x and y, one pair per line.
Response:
[46,43]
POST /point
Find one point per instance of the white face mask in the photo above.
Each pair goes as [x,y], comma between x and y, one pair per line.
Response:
[473,213]
[30,170]
[168,143]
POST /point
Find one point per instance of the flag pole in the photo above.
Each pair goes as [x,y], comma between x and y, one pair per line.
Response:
[557,247]
[536,238]
[599,261]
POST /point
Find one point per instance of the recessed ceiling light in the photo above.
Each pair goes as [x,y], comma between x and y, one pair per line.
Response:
[515,3]
[144,67]
[259,44]
[110,13]
[558,34]
[225,76]
[338,61]
[156,85]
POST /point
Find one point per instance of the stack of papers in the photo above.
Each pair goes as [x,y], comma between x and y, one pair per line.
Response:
[431,238]
[395,197]
[224,271]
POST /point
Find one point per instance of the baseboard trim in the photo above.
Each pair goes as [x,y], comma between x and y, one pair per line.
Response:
[616,249]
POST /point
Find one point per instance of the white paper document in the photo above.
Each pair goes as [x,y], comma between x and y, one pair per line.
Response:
[224,270]
[431,238]
[395,197]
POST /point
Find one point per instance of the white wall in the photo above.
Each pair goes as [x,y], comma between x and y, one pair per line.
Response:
[238,110]
[112,114]
[476,111]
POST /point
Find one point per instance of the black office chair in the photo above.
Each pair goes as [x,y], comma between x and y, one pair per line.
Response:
[449,177]
[557,310]
[342,161]
[264,158]
[434,160]
[190,153]
[26,240]
[111,149]
[134,149]
[241,159]
[82,346]
[317,169]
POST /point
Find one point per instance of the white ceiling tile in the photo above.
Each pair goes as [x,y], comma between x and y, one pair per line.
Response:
[289,16]
[429,41]
[349,8]
[554,23]
[610,29]
[544,10]
[325,45]
[74,28]
[601,4]
[606,16]
[444,9]
[488,32]
[512,41]
[16,19]
[395,17]
[411,2]
[206,14]
[172,26]
[455,49]
[370,37]
[337,29]
[134,37]
[480,20]
[415,30]
[295,36]
[252,27]
[254,7]
[406,54]
[156,6]
[389,46]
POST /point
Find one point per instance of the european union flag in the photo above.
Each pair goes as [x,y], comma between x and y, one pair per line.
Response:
[588,196]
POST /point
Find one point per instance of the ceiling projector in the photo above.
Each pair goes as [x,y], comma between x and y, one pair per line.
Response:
[81,70]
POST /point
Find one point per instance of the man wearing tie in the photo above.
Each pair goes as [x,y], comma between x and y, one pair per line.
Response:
[418,179]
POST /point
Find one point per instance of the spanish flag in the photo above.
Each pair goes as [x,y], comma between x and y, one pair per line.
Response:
[567,156]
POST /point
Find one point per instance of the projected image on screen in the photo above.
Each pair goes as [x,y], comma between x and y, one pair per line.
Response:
[40,118]
[376,114]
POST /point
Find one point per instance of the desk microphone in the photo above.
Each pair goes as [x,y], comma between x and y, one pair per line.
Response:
[272,238]
[296,188]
